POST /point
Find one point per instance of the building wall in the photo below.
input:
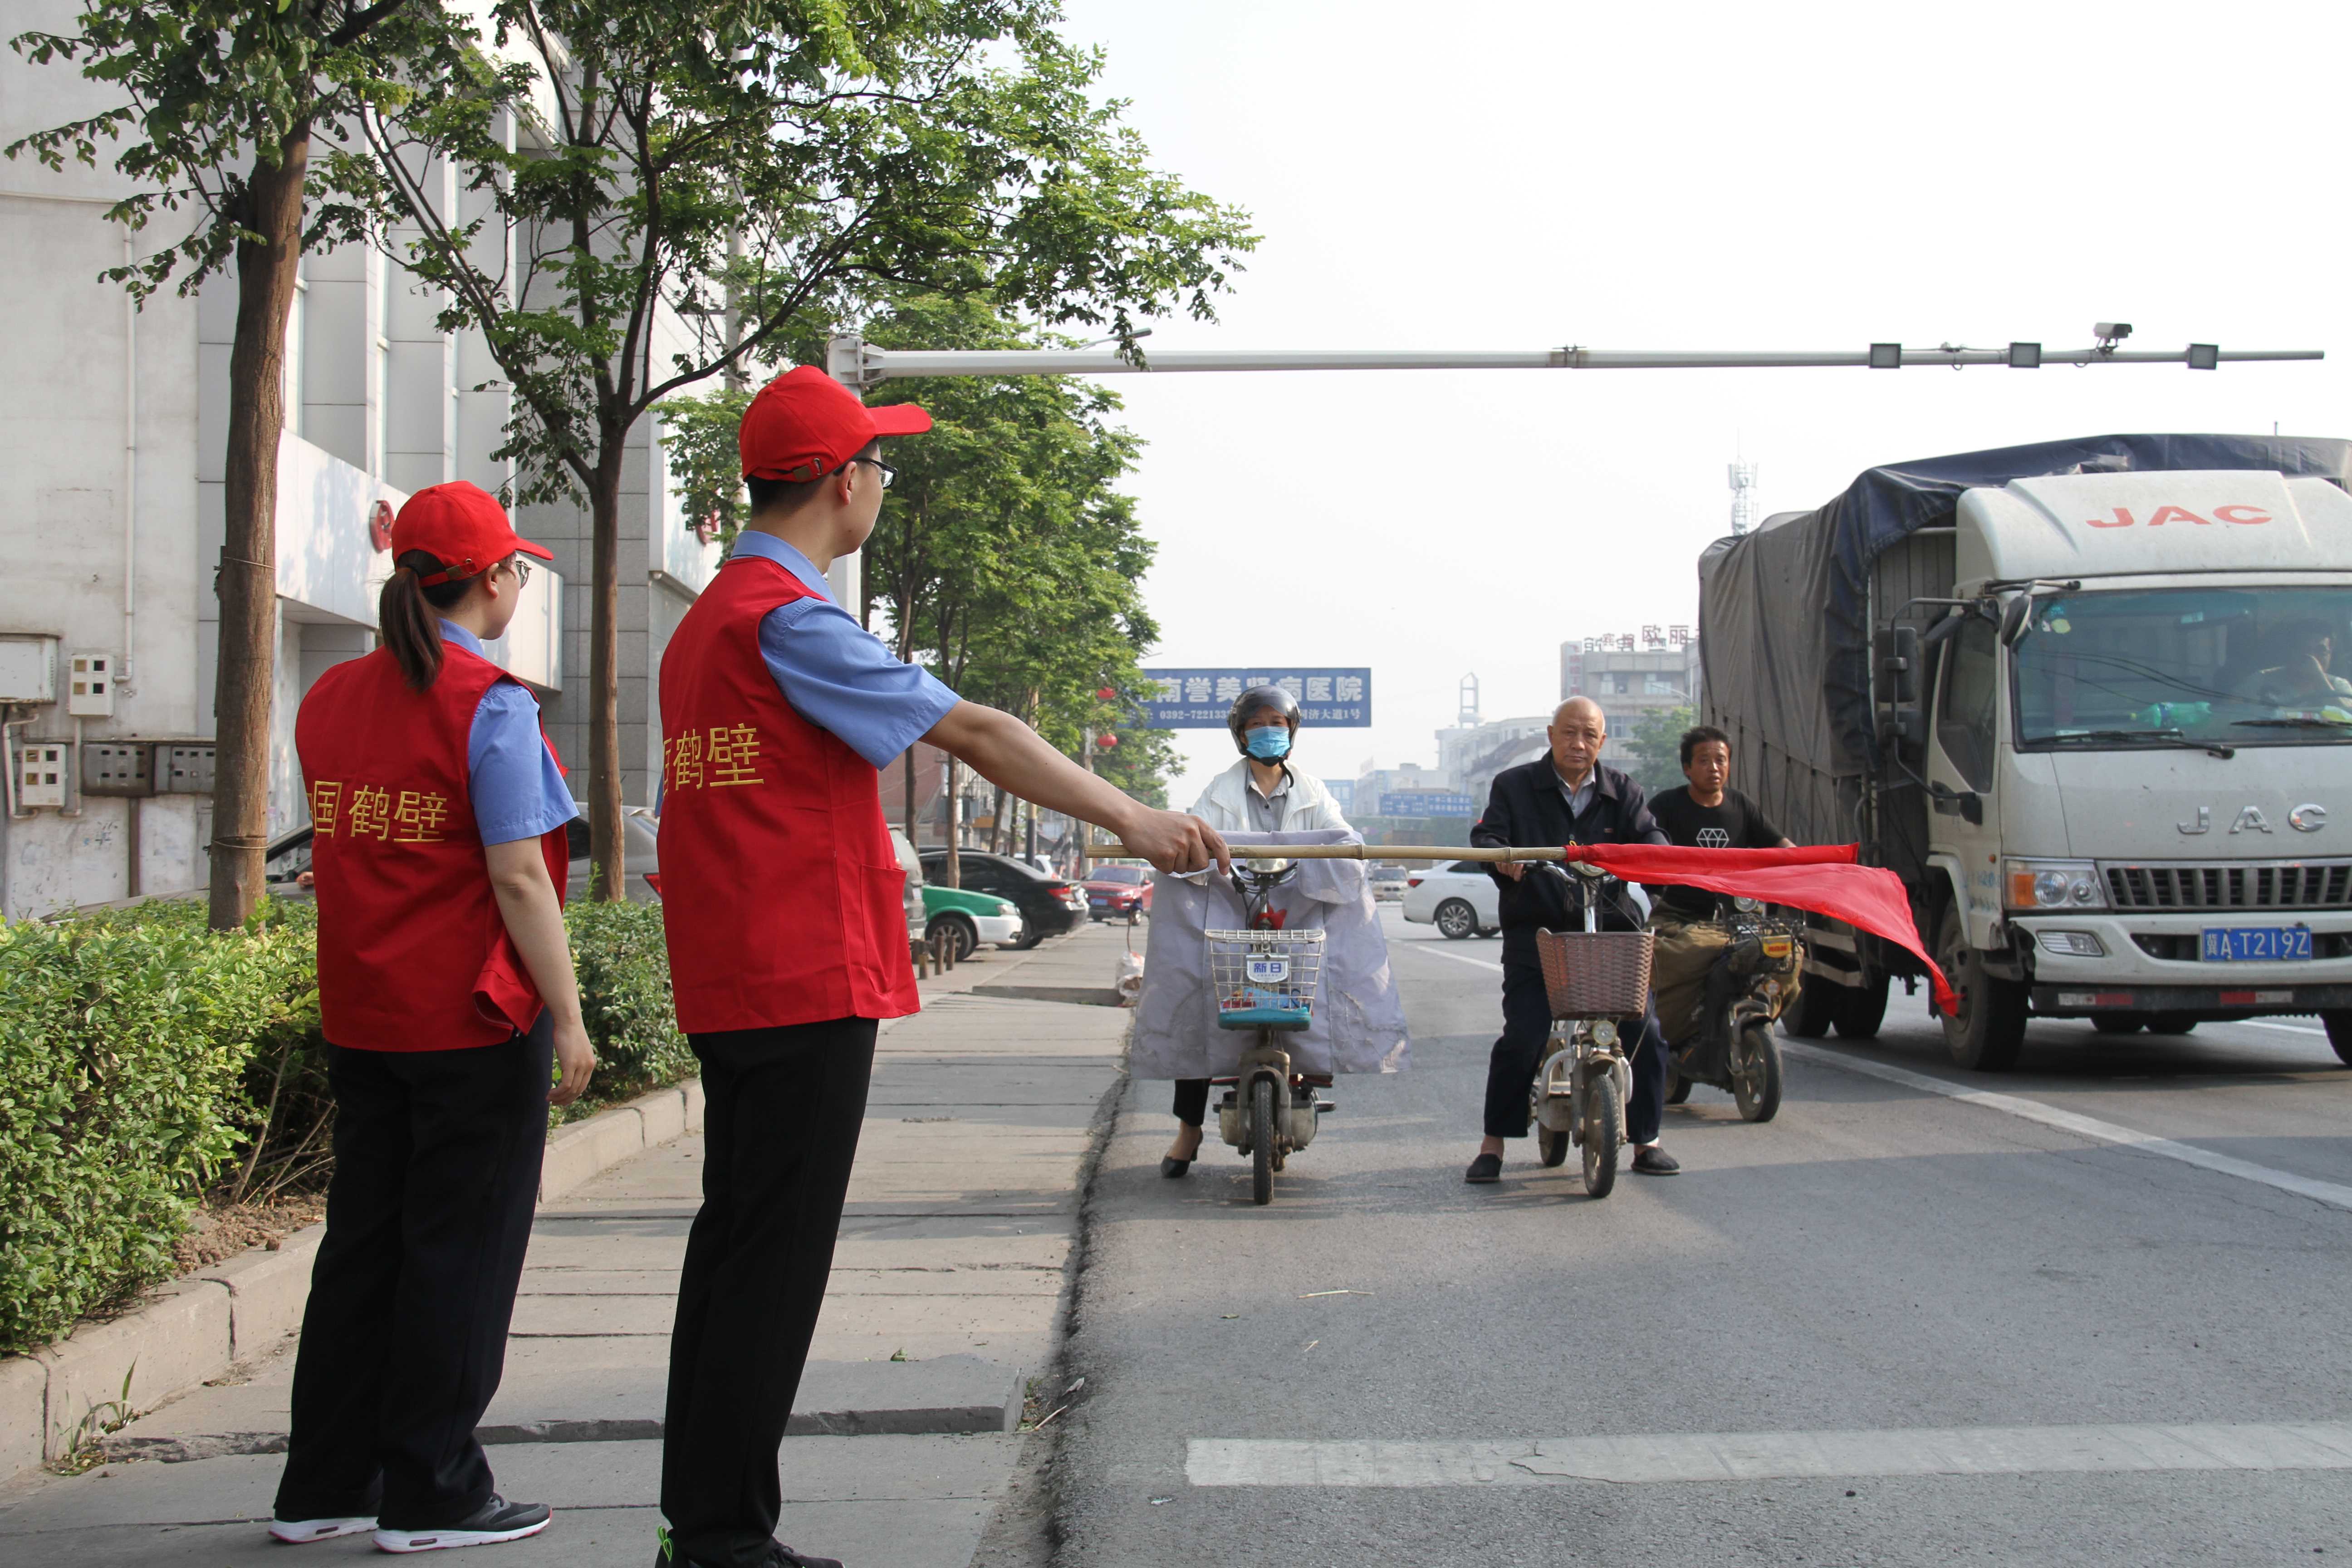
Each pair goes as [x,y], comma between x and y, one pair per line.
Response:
[1629,683]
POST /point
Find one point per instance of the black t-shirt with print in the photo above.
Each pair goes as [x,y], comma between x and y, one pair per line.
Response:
[1734,825]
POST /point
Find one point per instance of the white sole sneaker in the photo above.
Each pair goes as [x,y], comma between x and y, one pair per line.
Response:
[447,1540]
[295,1532]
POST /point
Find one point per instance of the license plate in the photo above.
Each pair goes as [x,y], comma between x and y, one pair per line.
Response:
[2241,944]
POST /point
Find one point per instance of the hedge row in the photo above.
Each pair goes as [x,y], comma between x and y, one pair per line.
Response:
[146,1061]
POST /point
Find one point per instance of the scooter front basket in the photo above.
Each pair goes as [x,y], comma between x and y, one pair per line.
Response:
[1264,978]
[1596,974]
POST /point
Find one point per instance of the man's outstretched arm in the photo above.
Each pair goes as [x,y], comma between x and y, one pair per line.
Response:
[1007,752]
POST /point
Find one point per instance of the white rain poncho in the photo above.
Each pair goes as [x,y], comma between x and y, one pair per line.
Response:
[1358,1021]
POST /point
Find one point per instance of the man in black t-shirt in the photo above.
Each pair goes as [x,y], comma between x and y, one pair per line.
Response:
[1707,814]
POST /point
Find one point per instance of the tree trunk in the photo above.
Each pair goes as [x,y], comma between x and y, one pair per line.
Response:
[997,837]
[266,270]
[952,874]
[907,768]
[606,844]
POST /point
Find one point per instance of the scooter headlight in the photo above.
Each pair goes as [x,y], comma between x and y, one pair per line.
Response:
[1748,906]
[1605,1032]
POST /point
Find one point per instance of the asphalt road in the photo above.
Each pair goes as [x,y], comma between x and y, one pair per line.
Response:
[1889,1327]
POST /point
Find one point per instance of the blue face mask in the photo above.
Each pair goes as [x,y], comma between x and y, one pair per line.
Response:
[1270,744]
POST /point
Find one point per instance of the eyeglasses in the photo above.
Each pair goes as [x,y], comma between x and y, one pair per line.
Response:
[888,473]
[521,570]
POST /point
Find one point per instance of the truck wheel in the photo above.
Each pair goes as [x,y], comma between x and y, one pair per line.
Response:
[2170,1023]
[1816,1007]
[959,933]
[1678,1087]
[1861,1009]
[1457,918]
[1986,1033]
[2339,1035]
[2118,1023]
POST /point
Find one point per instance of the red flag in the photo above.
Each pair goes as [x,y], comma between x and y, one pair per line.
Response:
[1822,877]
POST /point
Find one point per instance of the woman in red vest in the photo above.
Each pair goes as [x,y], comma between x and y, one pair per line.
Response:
[438,818]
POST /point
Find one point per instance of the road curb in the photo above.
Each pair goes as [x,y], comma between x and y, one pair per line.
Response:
[192,1329]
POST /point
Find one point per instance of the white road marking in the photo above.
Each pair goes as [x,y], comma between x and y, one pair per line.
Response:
[1758,1456]
[2089,1127]
[2287,1028]
[1435,952]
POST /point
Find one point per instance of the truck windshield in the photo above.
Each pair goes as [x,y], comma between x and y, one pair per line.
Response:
[2252,667]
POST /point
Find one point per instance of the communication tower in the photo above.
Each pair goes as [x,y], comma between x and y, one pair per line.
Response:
[1743,498]
[1469,718]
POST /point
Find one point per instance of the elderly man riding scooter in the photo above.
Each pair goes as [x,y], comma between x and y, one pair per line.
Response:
[1566,797]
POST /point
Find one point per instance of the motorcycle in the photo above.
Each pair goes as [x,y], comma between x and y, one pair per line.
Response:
[1753,978]
[1264,978]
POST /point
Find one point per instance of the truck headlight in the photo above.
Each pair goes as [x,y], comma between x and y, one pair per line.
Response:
[2053,884]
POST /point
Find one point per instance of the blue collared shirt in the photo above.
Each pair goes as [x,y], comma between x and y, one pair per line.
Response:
[518,790]
[838,675]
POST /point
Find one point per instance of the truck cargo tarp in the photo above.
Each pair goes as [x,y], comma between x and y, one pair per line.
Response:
[1784,612]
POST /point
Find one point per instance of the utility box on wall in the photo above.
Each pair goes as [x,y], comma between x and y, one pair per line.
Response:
[187,769]
[89,689]
[41,774]
[117,768]
[28,668]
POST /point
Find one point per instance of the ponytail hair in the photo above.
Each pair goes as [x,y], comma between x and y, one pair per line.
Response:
[406,615]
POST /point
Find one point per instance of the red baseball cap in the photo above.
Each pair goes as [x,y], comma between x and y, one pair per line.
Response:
[804,425]
[462,526]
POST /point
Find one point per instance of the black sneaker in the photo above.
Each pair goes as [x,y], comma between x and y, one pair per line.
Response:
[1650,1160]
[496,1520]
[779,1556]
[1485,1168]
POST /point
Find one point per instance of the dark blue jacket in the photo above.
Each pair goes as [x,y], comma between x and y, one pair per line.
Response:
[1527,810]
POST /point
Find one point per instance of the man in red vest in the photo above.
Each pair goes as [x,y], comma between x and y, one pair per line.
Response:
[782,897]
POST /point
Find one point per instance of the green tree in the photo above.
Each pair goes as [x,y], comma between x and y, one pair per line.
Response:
[1654,748]
[223,101]
[708,184]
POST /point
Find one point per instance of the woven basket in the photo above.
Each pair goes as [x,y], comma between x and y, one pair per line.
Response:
[1596,974]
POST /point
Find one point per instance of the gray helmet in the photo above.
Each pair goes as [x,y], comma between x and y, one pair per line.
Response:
[1250,701]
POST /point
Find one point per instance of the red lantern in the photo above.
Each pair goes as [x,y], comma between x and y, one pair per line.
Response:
[380,526]
[1106,743]
[1104,694]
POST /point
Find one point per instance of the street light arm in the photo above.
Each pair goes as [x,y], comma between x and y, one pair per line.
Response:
[856,362]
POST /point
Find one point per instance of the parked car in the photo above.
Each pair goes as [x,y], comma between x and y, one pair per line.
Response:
[1119,892]
[965,917]
[1048,905]
[1387,881]
[1458,897]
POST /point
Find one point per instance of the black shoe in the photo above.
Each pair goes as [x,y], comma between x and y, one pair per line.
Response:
[1170,1165]
[1650,1160]
[496,1520]
[779,1555]
[1485,1168]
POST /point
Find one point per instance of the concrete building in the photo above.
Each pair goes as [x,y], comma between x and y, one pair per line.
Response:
[112,429]
[1630,675]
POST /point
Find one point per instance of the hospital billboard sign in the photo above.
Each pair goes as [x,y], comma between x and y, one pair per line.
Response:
[1200,698]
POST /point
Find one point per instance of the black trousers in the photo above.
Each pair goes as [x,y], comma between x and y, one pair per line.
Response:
[404,1336]
[1191,1106]
[782,1112]
[1527,1025]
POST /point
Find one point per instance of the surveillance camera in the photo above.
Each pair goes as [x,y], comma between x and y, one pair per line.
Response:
[2112,331]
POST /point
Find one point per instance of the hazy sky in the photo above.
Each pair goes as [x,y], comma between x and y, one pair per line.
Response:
[1507,175]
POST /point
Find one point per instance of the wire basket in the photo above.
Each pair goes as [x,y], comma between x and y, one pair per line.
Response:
[1264,978]
[1596,974]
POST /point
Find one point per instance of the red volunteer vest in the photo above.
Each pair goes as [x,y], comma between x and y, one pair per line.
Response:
[781,895]
[412,952]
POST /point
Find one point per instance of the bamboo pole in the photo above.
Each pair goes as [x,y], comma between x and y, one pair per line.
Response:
[1369,852]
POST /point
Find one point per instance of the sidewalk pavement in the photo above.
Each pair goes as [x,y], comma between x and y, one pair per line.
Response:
[946,1297]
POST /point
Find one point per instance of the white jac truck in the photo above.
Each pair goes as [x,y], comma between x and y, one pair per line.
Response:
[2093,701]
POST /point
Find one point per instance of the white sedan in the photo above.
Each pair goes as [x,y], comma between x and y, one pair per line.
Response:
[1458,897]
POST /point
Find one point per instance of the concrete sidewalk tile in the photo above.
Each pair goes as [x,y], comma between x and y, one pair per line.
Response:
[584,1150]
[175,1339]
[24,1413]
[267,1290]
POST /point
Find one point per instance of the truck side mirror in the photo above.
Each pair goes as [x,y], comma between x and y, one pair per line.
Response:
[1899,664]
[2013,618]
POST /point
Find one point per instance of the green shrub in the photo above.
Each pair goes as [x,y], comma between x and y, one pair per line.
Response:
[124,1040]
[624,970]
